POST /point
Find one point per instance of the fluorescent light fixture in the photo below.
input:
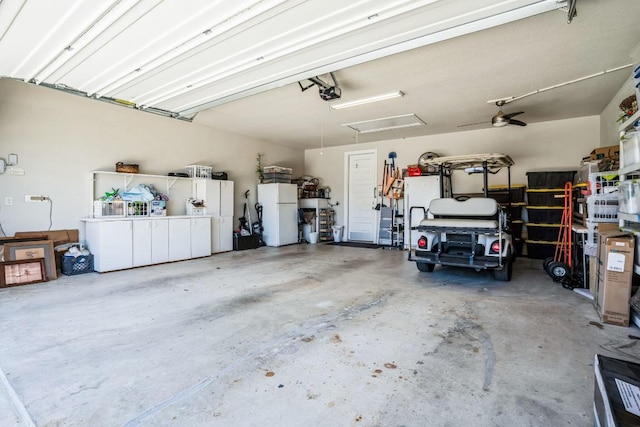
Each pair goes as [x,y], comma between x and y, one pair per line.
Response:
[354,103]
[386,123]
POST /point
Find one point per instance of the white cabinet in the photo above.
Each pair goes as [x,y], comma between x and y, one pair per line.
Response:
[141,243]
[111,243]
[218,199]
[150,242]
[118,244]
[179,239]
[221,229]
[200,237]
[159,241]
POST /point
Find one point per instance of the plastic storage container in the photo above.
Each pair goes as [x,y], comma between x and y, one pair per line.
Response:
[630,147]
[545,214]
[540,249]
[198,171]
[603,183]
[77,265]
[545,197]
[115,208]
[603,208]
[546,232]
[549,179]
[276,178]
[501,193]
[629,196]
[138,208]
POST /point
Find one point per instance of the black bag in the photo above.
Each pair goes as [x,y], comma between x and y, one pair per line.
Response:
[219,175]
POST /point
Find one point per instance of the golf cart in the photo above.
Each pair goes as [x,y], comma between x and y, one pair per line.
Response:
[465,231]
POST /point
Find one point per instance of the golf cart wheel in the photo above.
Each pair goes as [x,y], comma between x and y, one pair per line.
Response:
[504,274]
[425,267]
[558,271]
[546,262]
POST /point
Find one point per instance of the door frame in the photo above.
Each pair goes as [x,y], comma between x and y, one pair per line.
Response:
[347,154]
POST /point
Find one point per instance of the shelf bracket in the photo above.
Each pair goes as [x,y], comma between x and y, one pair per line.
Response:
[169,185]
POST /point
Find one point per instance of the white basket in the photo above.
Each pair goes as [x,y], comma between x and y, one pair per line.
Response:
[198,171]
[138,209]
[114,208]
[602,183]
[602,208]
[195,210]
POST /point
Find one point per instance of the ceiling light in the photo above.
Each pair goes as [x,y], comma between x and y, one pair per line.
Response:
[384,96]
[386,123]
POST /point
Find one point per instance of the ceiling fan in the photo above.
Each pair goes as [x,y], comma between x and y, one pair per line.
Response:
[501,119]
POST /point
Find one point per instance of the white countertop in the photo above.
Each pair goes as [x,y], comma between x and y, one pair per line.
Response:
[139,218]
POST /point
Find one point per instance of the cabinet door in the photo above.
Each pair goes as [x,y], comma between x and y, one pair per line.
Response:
[222,234]
[226,199]
[111,244]
[141,242]
[159,241]
[179,239]
[200,237]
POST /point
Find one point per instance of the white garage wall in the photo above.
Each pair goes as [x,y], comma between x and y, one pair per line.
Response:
[556,145]
[59,138]
[609,125]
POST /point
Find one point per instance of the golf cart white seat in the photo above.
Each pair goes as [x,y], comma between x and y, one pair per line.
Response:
[475,212]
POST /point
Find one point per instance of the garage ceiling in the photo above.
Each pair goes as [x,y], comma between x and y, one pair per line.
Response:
[235,65]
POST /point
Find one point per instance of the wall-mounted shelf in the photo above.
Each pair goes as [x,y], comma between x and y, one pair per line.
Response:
[128,177]
[164,184]
[628,124]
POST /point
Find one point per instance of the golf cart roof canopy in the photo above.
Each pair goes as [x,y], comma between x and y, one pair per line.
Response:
[493,160]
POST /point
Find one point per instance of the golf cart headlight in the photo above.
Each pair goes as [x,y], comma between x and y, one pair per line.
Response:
[422,242]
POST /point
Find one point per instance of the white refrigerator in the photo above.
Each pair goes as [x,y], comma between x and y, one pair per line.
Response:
[279,213]
[418,192]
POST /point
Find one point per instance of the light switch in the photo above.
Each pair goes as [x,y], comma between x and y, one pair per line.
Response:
[8,201]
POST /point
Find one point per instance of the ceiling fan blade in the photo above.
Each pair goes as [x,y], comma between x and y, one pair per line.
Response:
[473,124]
[508,116]
[517,122]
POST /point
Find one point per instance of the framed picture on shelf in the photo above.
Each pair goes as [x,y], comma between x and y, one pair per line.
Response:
[22,272]
[33,250]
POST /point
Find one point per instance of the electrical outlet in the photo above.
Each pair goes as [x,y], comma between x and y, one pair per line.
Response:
[8,201]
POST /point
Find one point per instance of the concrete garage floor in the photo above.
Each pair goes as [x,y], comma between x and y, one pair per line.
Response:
[305,335]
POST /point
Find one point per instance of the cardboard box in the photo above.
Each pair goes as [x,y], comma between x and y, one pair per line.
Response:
[615,272]
[610,152]
[616,391]
[158,208]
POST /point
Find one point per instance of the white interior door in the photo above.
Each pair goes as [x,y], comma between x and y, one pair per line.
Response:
[360,195]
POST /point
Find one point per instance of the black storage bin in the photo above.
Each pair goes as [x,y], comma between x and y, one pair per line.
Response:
[501,193]
[540,249]
[516,228]
[546,232]
[518,245]
[77,265]
[219,176]
[555,179]
[514,211]
[241,243]
[537,197]
[545,214]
